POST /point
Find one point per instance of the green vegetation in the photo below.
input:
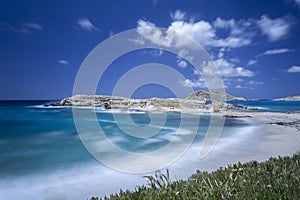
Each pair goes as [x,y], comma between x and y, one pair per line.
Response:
[277,178]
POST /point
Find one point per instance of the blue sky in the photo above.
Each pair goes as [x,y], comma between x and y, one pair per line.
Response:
[254,43]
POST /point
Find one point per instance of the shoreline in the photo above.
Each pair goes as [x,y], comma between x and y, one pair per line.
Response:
[259,142]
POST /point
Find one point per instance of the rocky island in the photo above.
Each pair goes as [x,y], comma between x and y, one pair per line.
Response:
[195,102]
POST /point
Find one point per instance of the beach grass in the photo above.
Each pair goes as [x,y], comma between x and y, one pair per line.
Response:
[276,178]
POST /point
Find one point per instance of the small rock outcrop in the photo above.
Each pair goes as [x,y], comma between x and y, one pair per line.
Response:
[289,98]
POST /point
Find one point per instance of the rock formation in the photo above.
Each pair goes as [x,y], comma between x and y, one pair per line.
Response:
[194,103]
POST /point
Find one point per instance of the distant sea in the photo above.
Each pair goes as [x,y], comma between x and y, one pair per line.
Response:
[42,157]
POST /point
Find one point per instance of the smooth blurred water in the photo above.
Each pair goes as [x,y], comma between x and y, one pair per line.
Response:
[39,144]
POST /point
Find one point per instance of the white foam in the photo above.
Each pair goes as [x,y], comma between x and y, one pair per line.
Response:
[48,107]
[119,111]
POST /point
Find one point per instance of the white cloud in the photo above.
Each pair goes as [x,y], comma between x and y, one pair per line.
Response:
[177,15]
[181,63]
[149,31]
[294,69]
[240,33]
[229,69]
[274,29]
[63,62]
[297,2]
[276,51]
[202,32]
[194,84]
[205,34]
[86,25]
[252,62]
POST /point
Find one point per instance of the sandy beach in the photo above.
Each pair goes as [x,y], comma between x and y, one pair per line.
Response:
[260,141]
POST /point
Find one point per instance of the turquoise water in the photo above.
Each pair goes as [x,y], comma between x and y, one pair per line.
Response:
[270,106]
[41,146]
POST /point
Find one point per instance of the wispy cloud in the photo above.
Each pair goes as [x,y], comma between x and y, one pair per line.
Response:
[177,15]
[242,87]
[63,62]
[294,69]
[86,25]
[32,25]
[111,33]
[24,28]
[253,82]
[250,85]
[154,2]
[268,53]
[274,29]
[251,62]
[276,51]
[297,2]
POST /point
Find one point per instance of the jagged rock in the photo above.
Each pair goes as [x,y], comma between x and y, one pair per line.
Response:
[204,95]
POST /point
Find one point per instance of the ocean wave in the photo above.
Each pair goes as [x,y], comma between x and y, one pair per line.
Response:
[119,111]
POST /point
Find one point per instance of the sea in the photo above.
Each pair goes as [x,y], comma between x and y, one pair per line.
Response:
[42,155]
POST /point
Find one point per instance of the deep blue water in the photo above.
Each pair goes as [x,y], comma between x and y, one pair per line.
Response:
[38,143]
[270,106]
